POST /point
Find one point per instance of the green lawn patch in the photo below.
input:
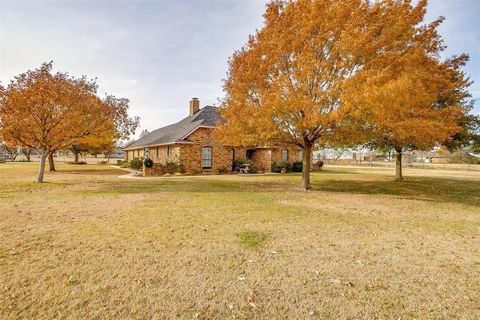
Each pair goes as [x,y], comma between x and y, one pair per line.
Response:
[252,239]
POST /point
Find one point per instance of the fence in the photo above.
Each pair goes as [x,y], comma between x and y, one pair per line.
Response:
[62,159]
[414,165]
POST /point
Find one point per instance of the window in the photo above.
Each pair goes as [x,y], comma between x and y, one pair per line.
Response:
[206,157]
[169,151]
[300,155]
[285,154]
[157,152]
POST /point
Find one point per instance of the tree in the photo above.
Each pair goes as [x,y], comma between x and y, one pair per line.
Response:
[292,82]
[469,137]
[417,102]
[143,133]
[49,112]
[51,162]
[94,144]
[105,140]
[27,153]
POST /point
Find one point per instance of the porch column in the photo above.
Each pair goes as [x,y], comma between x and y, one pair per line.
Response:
[268,159]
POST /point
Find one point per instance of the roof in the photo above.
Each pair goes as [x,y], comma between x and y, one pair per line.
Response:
[178,132]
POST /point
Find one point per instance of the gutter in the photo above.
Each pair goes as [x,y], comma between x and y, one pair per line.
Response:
[157,145]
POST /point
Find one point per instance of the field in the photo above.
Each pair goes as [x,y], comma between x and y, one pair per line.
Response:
[88,244]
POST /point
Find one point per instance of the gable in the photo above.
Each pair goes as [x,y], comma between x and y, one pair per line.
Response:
[178,132]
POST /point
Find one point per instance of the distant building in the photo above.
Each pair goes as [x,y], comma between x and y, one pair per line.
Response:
[117,153]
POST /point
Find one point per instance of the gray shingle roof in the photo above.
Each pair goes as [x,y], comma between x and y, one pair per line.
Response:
[174,133]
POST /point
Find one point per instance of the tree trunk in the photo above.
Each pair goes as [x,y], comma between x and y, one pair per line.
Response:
[75,153]
[41,170]
[307,159]
[27,152]
[398,166]
[51,163]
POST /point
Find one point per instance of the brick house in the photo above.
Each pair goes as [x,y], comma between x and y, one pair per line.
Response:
[190,142]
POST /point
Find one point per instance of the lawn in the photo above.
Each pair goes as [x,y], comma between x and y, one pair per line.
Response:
[88,244]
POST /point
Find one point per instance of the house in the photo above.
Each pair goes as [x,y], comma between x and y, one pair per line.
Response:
[436,158]
[191,143]
[116,153]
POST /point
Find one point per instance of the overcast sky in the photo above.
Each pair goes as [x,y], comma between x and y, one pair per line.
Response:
[159,54]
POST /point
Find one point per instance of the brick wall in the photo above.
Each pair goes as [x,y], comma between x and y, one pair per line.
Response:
[133,154]
[128,155]
[293,154]
[264,158]
[191,154]
[160,154]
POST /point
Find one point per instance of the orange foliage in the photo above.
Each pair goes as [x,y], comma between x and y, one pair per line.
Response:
[401,106]
[49,111]
[309,74]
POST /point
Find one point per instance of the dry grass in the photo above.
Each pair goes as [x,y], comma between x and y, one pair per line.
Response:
[359,246]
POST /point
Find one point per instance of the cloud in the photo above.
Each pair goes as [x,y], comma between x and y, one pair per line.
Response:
[159,54]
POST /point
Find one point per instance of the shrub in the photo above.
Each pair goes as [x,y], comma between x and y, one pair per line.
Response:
[168,168]
[318,165]
[103,162]
[181,168]
[136,163]
[278,165]
[297,166]
[79,162]
[239,163]
[171,167]
[222,170]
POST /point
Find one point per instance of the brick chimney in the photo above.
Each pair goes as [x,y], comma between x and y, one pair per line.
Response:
[194,105]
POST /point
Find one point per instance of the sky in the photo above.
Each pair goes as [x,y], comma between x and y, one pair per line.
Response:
[160,54]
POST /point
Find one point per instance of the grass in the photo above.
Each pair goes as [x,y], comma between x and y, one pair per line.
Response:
[252,239]
[88,244]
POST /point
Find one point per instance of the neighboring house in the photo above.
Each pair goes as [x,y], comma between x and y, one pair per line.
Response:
[117,153]
[436,158]
[190,142]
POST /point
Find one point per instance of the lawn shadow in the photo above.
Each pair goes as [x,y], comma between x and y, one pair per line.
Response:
[88,171]
[417,188]
[336,171]
[170,185]
[427,189]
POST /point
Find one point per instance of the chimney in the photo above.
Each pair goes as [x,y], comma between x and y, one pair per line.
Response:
[194,105]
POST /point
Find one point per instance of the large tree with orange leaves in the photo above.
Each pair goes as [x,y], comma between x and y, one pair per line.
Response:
[415,103]
[296,81]
[47,111]
[94,144]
